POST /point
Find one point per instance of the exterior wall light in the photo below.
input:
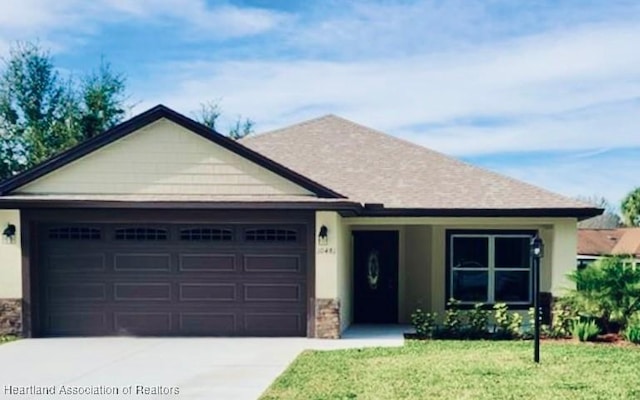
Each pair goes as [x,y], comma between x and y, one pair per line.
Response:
[9,234]
[323,236]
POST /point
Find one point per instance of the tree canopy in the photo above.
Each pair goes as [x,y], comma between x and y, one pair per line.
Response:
[43,114]
[631,208]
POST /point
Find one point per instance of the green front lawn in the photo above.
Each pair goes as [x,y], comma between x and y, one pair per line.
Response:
[464,370]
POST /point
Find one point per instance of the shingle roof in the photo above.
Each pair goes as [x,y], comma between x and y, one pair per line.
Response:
[597,242]
[372,167]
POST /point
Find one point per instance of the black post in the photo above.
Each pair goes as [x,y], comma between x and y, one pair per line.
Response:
[537,252]
[537,311]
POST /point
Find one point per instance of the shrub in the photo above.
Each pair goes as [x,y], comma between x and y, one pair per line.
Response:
[608,291]
[424,323]
[562,321]
[478,319]
[453,322]
[585,331]
[508,325]
[632,333]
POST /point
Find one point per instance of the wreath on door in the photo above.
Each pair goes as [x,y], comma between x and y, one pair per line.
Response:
[373,269]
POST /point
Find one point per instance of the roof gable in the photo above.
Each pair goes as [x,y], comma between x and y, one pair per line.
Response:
[53,168]
[372,167]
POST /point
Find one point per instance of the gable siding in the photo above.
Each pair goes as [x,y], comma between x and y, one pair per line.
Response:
[163,158]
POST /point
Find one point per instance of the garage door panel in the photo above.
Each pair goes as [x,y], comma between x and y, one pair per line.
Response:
[207,263]
[138,262]
[211,292]
[272,292]
[76,292]
[272,263]
[142,323]
[142,291]
[72,262]
[160,279]
[76,323]
[206,323]
[274,324]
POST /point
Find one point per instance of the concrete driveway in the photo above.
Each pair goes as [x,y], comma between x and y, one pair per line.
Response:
[198,368]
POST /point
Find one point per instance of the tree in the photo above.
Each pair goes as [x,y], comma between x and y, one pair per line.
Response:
[36,109]
[609,218]
[210,112]
[241,128]
[42,114]
[102,100]
[630,207]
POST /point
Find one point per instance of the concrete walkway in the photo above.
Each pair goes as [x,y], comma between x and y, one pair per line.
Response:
[199,368]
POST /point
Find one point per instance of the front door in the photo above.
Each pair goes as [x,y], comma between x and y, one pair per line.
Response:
[375,276]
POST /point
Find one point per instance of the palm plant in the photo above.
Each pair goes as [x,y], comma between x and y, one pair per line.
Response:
[607,291]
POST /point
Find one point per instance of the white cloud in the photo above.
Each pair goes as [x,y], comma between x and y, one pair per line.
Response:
[556,90]
[67,20]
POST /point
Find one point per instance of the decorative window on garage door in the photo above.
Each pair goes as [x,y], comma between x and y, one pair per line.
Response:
[271,235]
[141,233]
[75,233]
[206,235]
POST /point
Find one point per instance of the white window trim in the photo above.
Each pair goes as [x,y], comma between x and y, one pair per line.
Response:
[491,268]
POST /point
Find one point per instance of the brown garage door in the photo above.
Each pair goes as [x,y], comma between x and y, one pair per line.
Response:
[170,279]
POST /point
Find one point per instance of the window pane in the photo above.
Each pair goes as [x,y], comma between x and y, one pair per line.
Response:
[512,252]
[470,285]
[470,252]
[512,286]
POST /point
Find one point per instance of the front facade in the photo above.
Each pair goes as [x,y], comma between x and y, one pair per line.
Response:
[161,227]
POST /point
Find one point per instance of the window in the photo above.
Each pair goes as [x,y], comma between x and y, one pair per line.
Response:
[271,235]
[75,233]
[206,235]
[141,234]
[490,267]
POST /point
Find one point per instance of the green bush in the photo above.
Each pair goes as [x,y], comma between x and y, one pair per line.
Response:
[632,333]
[585,331]
[562,321]
[424,323]
[607,291]
[478,320]
[453,321]
[508,325]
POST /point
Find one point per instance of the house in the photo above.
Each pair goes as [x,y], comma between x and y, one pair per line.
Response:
[594,244]
[162,227]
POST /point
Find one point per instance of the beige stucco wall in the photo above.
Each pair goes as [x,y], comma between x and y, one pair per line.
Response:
[10,258]
[418,261]
[333,264]
[163,158]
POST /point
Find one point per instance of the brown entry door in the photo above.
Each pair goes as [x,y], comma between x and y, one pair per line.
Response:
[375,276]
[158,279]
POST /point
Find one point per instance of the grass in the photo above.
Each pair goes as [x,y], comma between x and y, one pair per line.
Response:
[7,338]
[463,370]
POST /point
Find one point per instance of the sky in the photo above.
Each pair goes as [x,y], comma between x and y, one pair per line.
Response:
[544,91]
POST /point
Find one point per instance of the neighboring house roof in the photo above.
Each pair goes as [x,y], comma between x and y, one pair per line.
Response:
[371,167]
[154,114]
[600,242]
